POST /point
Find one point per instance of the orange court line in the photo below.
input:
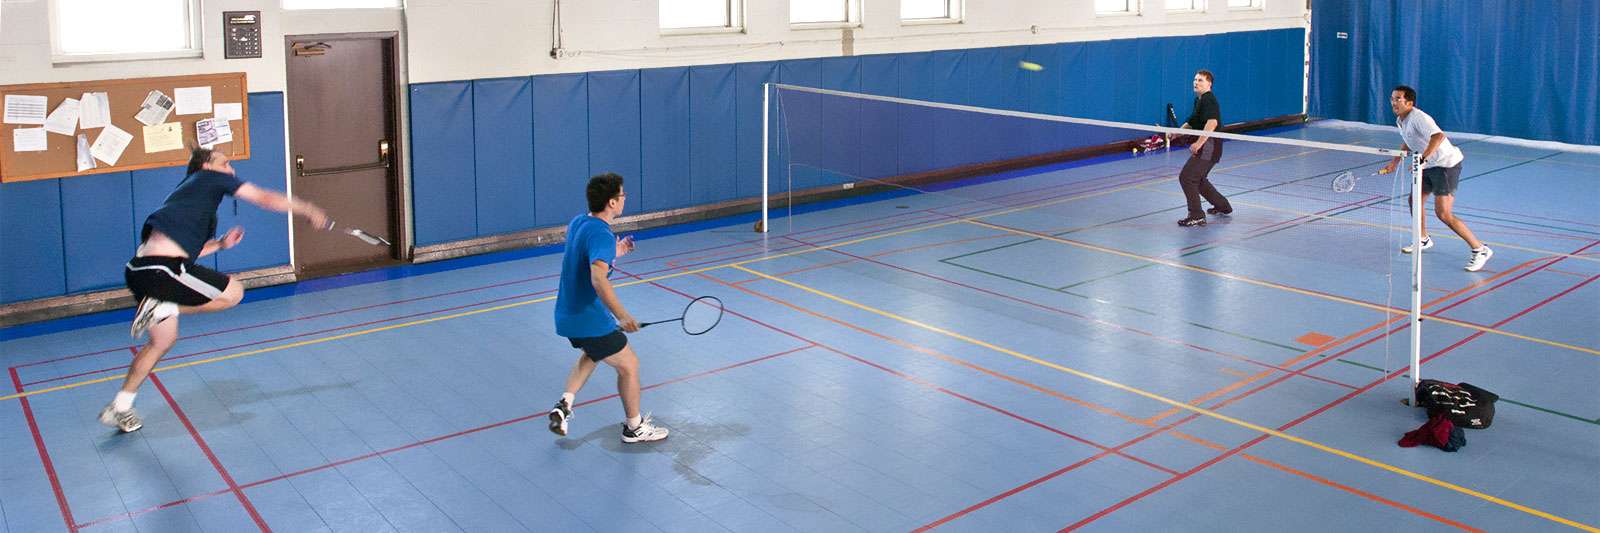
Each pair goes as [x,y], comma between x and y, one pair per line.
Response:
[1330,483]
[1219,392]
[936,354]
[1234,372]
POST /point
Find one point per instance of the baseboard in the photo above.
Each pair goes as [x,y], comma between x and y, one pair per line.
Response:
[110,300]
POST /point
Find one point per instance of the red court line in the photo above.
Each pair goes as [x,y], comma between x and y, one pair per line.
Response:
[1318,411]
[156,508]
[44,456]
[232,487]
[1525,274]
[1088,318]
[541,414]
[1241,236]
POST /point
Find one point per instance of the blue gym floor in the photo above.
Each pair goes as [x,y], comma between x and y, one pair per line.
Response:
[1037,351]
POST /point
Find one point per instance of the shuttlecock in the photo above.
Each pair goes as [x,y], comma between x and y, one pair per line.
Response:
[1029,66]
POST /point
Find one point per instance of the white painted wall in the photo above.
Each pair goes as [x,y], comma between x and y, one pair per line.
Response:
[25,43]
[469,39]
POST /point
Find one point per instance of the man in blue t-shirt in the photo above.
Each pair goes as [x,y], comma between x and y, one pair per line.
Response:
[1204,154]
[163,275]
[589,314]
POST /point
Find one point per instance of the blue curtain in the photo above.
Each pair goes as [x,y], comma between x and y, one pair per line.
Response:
[1501,67]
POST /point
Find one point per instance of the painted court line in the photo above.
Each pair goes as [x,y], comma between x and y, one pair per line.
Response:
[1201,411]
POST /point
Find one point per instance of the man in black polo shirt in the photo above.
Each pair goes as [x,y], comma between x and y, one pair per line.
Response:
[1204,154]
[163,274]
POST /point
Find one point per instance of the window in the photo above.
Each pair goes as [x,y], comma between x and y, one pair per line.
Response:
[340,4]
[1116,7]
[1184,5]
[821,11]
[930,9]
[681,14]
[98,30]
[1244,4]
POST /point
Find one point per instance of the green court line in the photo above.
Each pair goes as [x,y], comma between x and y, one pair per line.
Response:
[1503,399]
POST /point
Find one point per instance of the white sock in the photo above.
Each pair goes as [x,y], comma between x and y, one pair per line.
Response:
[123,401]
[569,397]
[633,423]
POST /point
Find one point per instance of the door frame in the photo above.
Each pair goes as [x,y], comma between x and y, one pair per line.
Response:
[399,210]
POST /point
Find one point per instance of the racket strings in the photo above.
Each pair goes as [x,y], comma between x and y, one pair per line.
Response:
[701,315]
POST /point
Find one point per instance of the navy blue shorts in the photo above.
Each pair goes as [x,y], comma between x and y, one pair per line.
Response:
[1441,181]
[601,347]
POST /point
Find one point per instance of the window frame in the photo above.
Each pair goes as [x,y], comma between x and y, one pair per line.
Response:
[734,11]
[852,19]
[1195,6]
[955,8]
[1255,5]
[335,8]
[196,38]
[1135,9]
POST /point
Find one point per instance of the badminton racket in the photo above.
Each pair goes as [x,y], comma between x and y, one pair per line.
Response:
[699,316]
[364,236]
[1346,181]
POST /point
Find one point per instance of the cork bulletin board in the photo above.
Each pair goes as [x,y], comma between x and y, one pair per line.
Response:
[125,101]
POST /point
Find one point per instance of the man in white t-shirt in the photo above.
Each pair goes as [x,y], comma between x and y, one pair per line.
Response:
[1441,170]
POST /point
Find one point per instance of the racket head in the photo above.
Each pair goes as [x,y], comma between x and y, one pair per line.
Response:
[1344,182]
[702,314]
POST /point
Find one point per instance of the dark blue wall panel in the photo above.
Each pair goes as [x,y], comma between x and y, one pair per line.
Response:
[443,175]
[803,130]
[31,262]
[749,80]
[614,128]
[560,146]
[711,134]
[502,124]
[97,233]
[841,120]
[880,76]
[266,241]
[664,138]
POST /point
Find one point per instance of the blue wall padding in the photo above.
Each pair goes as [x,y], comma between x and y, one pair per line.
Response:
[664,134]
[614,128]
[444,198]
[32,261]
[711,134]
[748,80]
[97,231]
[1495,67]
[502,126]
[560,147]
[266,241]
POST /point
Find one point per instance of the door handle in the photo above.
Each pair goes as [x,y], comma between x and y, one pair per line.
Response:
[383,162]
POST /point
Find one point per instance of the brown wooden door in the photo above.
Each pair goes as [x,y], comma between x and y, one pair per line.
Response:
[343,148]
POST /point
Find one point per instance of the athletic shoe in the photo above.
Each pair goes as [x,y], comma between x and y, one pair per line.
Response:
[128,421]
[1192,222]
[559,416]
[1479,257]
[1427,242]
[151,312]
[1219,211]
[646,432]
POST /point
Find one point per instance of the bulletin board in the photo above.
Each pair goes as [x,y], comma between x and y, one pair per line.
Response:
[125,97]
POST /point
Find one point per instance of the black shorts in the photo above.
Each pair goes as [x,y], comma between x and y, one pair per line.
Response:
[601,347]
[1441,181]
[174,279]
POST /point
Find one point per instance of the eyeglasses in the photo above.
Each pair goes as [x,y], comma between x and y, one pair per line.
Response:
[1397,99]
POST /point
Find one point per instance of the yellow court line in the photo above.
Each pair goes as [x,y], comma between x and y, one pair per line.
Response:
[1393,228]
[1390,310]
[1197,410]
[548,298]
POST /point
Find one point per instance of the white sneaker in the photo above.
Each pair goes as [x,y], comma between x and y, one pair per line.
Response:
[128,421]
[1427,242]
[151,312]
[646,431]
[559,416]
[1479,257]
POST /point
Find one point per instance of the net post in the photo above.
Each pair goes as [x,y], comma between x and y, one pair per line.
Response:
[1416,268]
[766,112]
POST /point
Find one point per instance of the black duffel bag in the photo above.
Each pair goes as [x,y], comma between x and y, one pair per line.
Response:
[1464,404]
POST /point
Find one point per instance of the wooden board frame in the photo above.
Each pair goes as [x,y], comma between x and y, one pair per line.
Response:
[60,159]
